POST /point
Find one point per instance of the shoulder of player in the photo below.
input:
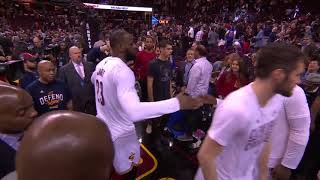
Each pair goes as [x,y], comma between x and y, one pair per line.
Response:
[298,91]
[239,100]
[297,99]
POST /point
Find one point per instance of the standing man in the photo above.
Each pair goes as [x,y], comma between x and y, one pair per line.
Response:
[159,76]
[48,93]
[118,104]
[16,114]
[159,79]
[198,85]
[77,74]
[235,146]
[143,58]
[190,61]
[291,135]
[30,68]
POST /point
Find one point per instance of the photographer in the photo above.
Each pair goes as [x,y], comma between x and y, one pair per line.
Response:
[38,49]
[62,54]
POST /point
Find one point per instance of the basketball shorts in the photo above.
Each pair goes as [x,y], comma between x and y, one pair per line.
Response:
[127,153]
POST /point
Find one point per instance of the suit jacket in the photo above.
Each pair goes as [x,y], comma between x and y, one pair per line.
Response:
[82,91]
[7,159]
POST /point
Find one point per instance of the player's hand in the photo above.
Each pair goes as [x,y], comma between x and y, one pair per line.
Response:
[281,173]
[187,102]
[208,99]
[2,58]
[9,58]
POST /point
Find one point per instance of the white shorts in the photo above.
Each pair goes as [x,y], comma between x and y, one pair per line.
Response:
[127,152]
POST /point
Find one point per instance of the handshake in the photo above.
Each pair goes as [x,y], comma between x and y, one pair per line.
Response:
[188,102]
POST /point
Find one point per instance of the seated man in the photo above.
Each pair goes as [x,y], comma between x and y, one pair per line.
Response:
[66,145]
[16,114]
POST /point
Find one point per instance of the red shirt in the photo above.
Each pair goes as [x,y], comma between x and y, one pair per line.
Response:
[142,62]
[225,86]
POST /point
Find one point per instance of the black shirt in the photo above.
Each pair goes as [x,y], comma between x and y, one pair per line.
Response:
[49,97]
[7,159]
[162,74]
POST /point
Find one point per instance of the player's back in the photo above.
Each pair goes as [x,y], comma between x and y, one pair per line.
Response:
[109,108]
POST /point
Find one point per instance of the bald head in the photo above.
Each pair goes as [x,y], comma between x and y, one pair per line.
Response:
[16,109]
[47,71]
[66,145]
[75,54]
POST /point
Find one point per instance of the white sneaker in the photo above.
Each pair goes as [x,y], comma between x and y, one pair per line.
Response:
[149,129]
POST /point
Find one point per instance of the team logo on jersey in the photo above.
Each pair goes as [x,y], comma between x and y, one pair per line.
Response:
[259,135]
[131,157]
[51,99]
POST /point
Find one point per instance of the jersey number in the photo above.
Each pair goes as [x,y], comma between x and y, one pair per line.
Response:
[100,96]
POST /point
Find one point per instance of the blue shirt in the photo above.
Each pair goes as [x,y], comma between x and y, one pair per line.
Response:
[187,68]
[49,97]
[28,78]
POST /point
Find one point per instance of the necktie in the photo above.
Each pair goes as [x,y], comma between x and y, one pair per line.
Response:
[79,71]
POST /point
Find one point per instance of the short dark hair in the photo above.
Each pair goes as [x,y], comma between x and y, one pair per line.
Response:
[117,36]
[201,50]
[164,43]
[277,56]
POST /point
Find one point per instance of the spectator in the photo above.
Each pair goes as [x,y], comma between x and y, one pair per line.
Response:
[38,48]
[159,86]
[30,67]
[198,85]
[233,79]
[310,86]
[143,58]
[97,54]
[213,38]
[62,55]
[48,93]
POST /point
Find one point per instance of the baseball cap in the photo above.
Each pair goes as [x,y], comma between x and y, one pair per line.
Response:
[27,57]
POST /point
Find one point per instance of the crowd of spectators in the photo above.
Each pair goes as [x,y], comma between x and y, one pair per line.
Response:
[231,31]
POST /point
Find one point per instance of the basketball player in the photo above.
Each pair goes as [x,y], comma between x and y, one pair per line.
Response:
[291,134]
[118,104]
[66,145]
[235,146]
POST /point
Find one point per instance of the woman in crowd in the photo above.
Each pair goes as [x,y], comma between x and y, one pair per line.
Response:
[232,80]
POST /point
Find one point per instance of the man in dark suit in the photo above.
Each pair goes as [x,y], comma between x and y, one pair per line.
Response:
[77,74]
[16,114]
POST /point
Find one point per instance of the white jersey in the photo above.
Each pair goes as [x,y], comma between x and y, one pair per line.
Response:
[291,131]
[243,127]
[117,102]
